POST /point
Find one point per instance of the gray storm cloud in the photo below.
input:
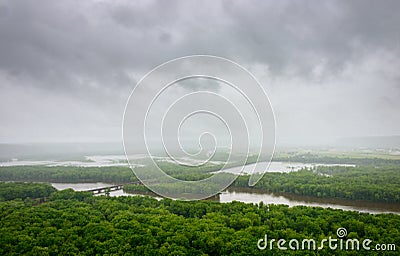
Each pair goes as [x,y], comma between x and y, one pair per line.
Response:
[331,68]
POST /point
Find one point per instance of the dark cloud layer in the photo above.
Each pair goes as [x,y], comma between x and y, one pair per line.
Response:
[67,67]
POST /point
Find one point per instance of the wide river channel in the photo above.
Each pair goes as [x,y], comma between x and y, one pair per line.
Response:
[256,196]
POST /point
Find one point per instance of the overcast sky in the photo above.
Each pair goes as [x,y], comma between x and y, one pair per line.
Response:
[331,68]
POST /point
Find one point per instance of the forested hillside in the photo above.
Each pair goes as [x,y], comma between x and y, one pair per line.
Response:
[77,223]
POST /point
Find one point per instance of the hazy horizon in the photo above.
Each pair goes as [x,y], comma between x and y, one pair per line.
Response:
[78,150]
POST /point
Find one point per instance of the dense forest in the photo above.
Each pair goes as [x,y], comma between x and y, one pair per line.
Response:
[70,174]
[73,223]
[23,190]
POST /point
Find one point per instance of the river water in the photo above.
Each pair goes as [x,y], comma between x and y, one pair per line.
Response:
[274,167]
[256,196]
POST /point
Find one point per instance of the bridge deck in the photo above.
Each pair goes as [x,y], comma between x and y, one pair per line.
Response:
[110,188]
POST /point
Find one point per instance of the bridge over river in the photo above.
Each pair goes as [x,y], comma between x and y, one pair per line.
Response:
[104,190]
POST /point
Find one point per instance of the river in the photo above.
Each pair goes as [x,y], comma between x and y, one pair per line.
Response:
[256,196]
[274,167]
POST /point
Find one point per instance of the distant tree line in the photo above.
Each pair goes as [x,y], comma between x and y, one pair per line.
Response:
[71,174]
[357,183]
[315,158]
[23,190]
